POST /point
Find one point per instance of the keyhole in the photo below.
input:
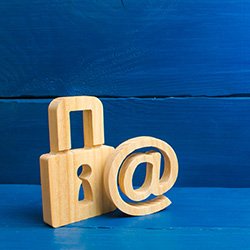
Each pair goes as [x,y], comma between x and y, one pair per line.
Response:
[85,192]
[81,192]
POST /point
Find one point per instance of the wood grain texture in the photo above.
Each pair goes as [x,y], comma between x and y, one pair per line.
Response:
[58,168]
[59,121]
[210,136]
[123,162]
[124,48]
[200,218]
[61,185]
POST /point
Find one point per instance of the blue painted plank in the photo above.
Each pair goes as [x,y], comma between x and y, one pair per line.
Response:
[210,136]
[96,239]
[124,48]
[199,218]
[190,208]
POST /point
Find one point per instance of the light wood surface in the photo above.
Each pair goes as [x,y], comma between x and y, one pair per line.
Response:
[122,159]
[59,121]
[153,160]
[59,179]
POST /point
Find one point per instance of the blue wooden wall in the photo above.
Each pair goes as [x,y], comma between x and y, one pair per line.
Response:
[178,70]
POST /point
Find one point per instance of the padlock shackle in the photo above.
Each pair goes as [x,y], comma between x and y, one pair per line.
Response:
[59,121]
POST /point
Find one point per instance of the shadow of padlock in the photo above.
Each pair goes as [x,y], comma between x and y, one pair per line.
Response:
[59,179]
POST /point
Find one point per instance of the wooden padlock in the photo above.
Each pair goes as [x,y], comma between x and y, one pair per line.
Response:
[59,179]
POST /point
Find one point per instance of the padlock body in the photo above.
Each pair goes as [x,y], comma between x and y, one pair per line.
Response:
[61,185]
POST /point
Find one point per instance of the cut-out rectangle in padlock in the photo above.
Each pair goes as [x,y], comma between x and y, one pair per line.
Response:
[59,179]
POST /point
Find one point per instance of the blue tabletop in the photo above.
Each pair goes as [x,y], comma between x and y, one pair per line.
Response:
[199,218]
